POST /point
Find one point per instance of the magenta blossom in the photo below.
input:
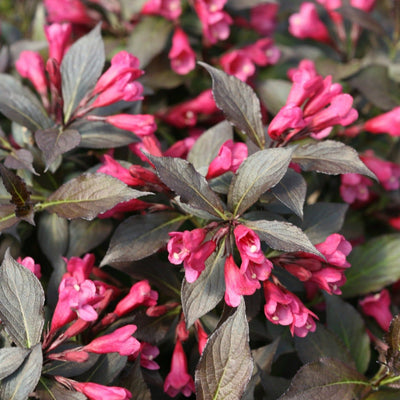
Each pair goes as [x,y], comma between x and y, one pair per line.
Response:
[182,56]
[58,36]
[388,122]
[263,18]
[377,306]
[169,9]
[73,11]
[120,341]
[284,308]
[178,380]
[229,158]
[188,247]
[94,391]
[335,248]
[354,187]
[148,353]
[139,124]
[29,262]
[307,24]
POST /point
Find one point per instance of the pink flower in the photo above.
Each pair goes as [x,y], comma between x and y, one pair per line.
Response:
[114,168]
[58,36]
[237,283]
[180,148]
[263,52]
[80,268]
[388,173]
[120,209]
[263,18]
[94,391]
[335,248]
[29,262]
[229,158]
[202,336]
[388,122]
[139,124]
[188,247]
[70,11]
[124,66]
[147,355]
[249,245]
[185,114]
[306,24]
[30,65]
[182,56]
[238,63]
[378,307]
[284,308]
[169,9]
[289,117]
[354,187]
[178,380]
[215,22]
[120,341]
[139,294]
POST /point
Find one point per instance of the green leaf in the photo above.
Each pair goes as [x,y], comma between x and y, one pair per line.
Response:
[282,236]
[322,219]
[81,67]
[321,344]
[291,191]
[206,147]
[20,105]
[180,176]
[239,104]
[362,18]
[226,365]
[10,359]
[56,141]
[89,195]
[258,173]
[330,157]
[21,303]
[201,296]
[347,323]
[327,379]
[149,38]
[140,236]
[374,265]
[20,384]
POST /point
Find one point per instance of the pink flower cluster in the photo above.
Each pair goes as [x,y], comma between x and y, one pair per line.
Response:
[169,9]
[254,267]
[215,21]
[377,306]
[313,106]
[188,247]
[327,274]
[241,63]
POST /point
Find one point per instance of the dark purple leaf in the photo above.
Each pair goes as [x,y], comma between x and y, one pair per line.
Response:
[135,383]
[347,323]
[21,106]
[330,157]
[149,38]
[20,159]
[140,236]
[362,18]
[225,366]
[180,176]
[374,265]
[56,141]
[322,219]
[7,216]
[392,339]
[291,191]
[23,381]
[20,196]
[10,359]
[327,379]
[89,195]
[80,69]
[50,390]
[239,104]
[21,303]
[321,344]
[282,236]
[258,173]
[201,296]
[206,147]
